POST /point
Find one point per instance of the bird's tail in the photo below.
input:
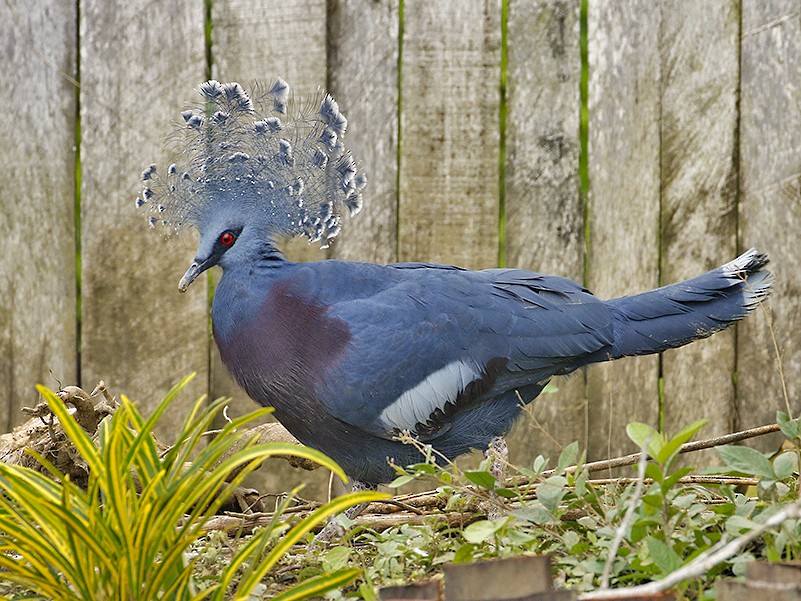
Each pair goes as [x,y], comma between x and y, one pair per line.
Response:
[675,315]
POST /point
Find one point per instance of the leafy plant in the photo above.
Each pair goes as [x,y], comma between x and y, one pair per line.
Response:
[564,513]
[127,535]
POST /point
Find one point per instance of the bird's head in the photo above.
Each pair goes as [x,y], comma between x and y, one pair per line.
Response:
[248,172]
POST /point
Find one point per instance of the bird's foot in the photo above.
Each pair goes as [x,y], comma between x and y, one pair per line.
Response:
[335,528]
[497,454]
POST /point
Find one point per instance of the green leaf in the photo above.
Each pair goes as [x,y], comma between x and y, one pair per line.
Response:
[654,471]
[481,531]
[663,556]
[551,491]
[314,587]
[738,524]
[534,513]
[507,493]
[784,465]
[464,554]
[747,461]
[671,448]
[791,428]
[653,500]
[671,480]
[568,457]
[644,436]
[401,480]
[336,558]
[481,478]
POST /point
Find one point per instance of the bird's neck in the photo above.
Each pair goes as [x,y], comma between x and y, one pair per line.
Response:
[267,256]
[244,286]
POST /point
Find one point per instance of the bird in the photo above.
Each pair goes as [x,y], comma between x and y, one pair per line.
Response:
[356,357]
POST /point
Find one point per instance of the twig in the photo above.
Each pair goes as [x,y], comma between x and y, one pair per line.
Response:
[433,500]
[691,479]
[704,562]
[624,526]
[596,466]
[779,358]
[529,411]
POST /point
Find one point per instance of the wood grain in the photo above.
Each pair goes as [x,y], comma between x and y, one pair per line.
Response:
[700,76]
[37,228]
[769,208]
[257,42]
[139,334]
[449,164]
[624,165]
[543,207]
[363,77]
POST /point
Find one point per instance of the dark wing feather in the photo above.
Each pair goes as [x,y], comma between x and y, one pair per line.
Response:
[425,332]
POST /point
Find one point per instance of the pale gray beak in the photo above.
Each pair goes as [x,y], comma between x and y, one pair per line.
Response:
[195,269]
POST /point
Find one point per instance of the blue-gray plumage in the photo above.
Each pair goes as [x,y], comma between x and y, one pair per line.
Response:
[353,354]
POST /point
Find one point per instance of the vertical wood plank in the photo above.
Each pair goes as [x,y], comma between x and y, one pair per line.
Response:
[449,132]
[700,73]
[137,72]
[257,42]
[543,207]
[769,208]
[37,229]
[363,77]
[623,154]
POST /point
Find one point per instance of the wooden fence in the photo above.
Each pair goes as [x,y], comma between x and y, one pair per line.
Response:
[466,117]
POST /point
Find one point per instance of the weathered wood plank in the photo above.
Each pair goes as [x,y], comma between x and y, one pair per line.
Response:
[257,42]
[424,591]
[769,208]
[495,580]
[37,229]
[137,71]
[363,77]
[730,590]
[700,75]
[543,206]
[623,210]
[449,165]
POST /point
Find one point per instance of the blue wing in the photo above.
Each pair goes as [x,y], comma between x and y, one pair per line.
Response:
[430,341]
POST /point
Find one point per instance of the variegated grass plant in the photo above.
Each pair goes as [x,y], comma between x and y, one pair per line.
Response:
[126,535]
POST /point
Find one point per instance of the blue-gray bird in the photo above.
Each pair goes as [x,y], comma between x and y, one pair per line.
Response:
[351,355]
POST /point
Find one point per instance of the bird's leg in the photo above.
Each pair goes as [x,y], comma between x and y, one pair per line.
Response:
[334,528]
[497,454]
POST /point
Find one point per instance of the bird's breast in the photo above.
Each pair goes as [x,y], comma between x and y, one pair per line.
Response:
[281,348]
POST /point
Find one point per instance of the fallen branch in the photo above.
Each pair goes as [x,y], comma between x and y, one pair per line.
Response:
[688,447]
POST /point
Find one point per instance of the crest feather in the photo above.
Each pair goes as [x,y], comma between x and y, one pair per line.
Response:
[291,172]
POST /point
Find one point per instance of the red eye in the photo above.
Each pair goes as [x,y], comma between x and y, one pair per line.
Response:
[227,239]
